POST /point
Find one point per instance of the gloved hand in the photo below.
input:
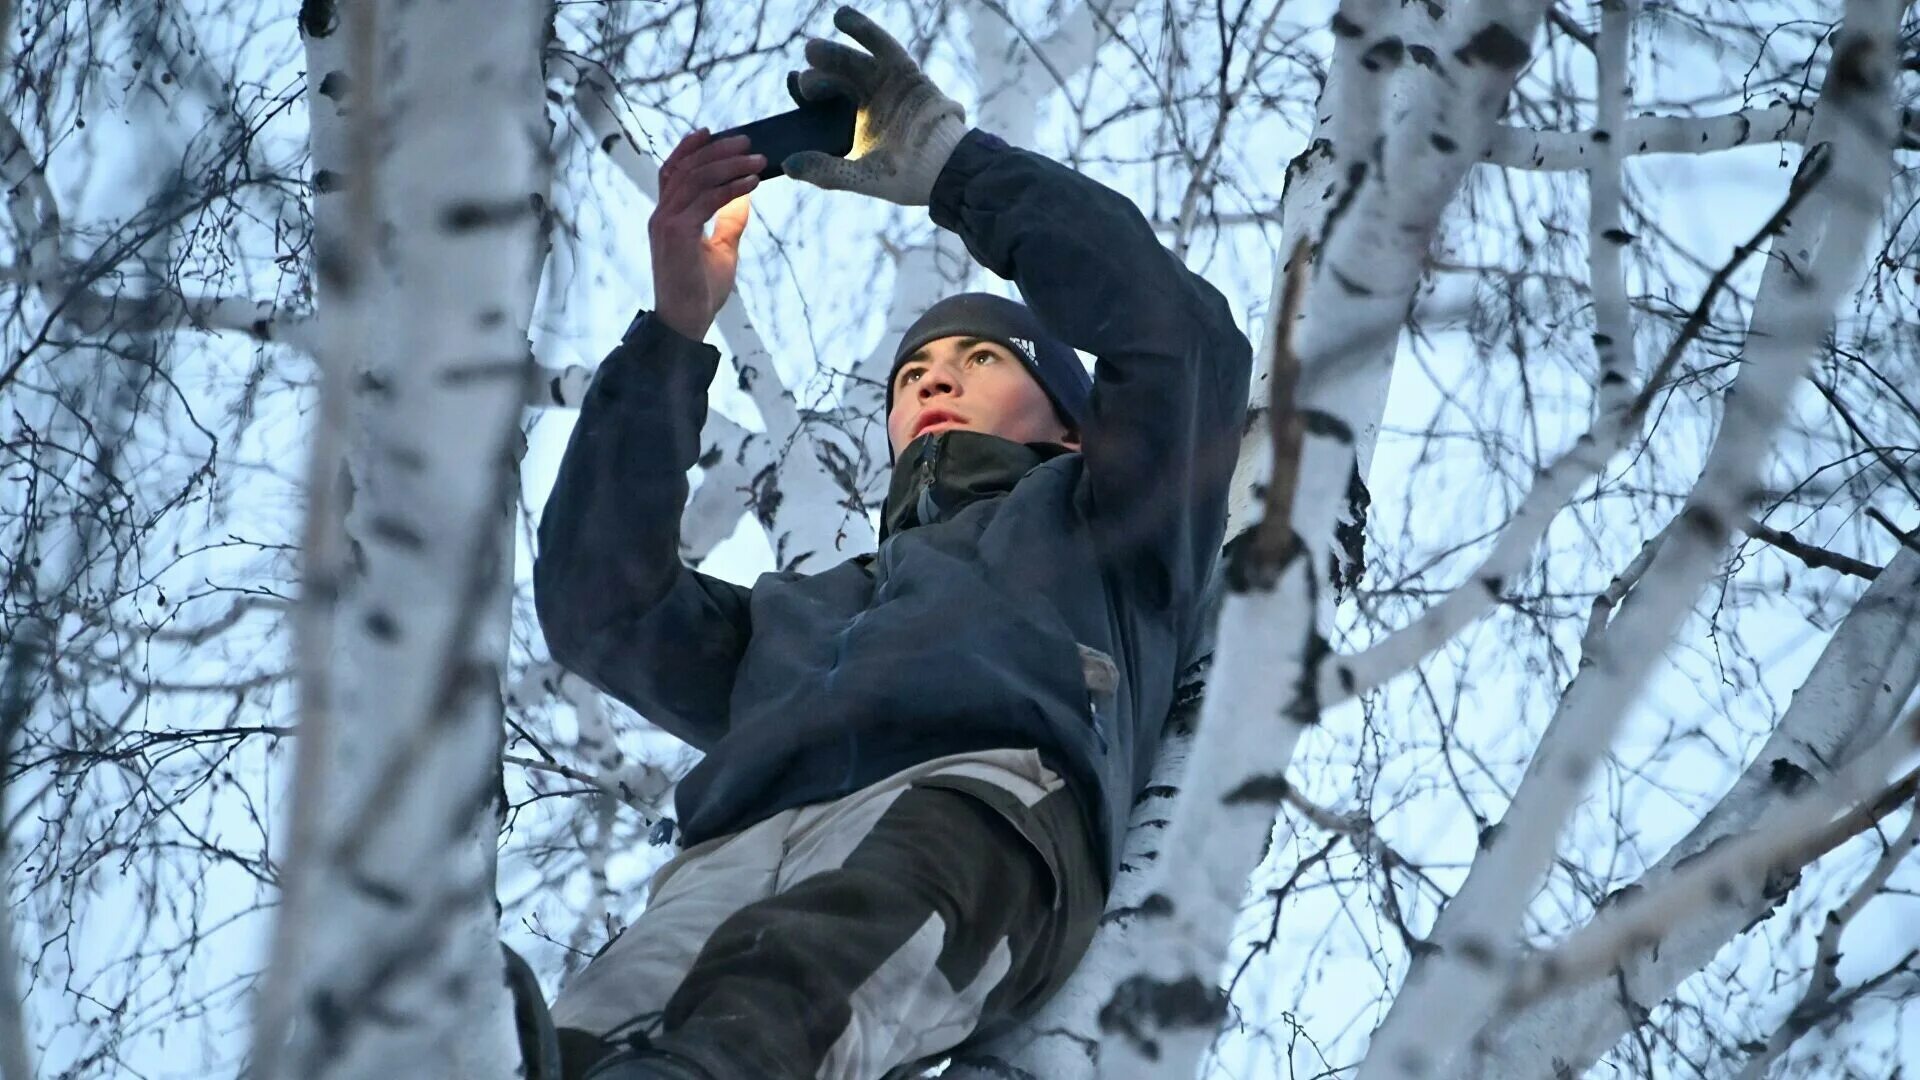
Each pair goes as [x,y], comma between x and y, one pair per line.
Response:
[906,129]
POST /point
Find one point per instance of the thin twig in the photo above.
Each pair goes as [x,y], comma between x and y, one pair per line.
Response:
[1818,558]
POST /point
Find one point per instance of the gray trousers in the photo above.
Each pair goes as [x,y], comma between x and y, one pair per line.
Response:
[845,939]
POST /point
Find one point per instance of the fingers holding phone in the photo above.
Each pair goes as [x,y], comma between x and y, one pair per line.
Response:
[703,179]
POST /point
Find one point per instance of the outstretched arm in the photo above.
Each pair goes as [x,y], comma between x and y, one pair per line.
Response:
[1171,371]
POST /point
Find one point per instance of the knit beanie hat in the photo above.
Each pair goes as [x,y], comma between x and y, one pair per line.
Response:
[1053,362]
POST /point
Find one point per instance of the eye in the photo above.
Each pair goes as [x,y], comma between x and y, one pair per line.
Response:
[908,375]
[983,356]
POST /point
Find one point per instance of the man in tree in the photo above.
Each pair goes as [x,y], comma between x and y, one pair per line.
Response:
[919,763]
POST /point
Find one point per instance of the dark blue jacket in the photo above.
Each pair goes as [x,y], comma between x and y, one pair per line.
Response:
[1006,576]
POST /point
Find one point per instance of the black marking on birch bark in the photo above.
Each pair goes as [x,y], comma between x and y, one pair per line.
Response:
[1611,378]
[332,267]
[1142,1005]
[1251,568]
[262,330]
[841,467]
[555,391]
[326,181]
[1477,951]
[1156,791]
[1780,881]
[1414,1061]
[1602,341]
[1268,789]
[492,317]
[1577,769]
[1153,907]
[373,385]
[471,214]
[1790,778]
[404,457]
[1602,136]
[1304,707]
[1493,583]
[1704,522]
[763,496]
[607,144]
[398,533]
[318,18]
[1426,58]
[1617,236]
[1345,27]
[1356,176]
[1384,54]
[334,85]
[1442,143]
[1344,672]
[1496,46]
[1851,73]
[1326,425]
[1489,835]
[390,896]
[481,371]
[710,458]
[382,626]
[1350,532]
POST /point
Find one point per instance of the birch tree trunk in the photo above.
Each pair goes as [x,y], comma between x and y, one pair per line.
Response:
[431,145]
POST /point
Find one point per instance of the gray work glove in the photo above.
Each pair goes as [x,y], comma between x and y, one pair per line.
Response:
[906,129]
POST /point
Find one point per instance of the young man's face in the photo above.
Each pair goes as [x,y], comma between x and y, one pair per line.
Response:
[964,382]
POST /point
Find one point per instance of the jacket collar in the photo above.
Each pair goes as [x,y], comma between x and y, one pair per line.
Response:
[937,474]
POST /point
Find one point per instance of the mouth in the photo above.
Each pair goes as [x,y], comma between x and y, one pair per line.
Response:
[934,418]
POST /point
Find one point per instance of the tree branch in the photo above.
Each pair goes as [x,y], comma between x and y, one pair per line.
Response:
[1453,990]
[1823,997]
[1849,701]
[1817,558]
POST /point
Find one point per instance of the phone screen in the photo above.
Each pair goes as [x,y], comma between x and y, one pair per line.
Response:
[826,126]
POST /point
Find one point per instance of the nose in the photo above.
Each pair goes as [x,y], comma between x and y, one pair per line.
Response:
[938,381]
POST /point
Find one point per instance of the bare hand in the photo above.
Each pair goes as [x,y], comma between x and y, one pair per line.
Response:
[703,179]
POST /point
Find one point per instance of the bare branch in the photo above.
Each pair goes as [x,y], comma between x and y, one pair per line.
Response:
[1817,558]
[1824,996]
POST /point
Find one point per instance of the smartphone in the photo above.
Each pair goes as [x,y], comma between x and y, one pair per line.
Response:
[825,125]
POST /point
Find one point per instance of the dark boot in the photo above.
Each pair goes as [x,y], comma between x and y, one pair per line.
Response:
[539,1045]
[647,1065]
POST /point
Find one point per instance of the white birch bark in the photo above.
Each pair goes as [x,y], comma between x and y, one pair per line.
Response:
[1452,990]
[1868,670]
[391,962]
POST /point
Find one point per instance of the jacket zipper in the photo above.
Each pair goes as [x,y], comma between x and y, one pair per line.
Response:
[929,463]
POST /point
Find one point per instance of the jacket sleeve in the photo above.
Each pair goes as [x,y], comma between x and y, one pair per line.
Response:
[616,604]
[1171,367]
